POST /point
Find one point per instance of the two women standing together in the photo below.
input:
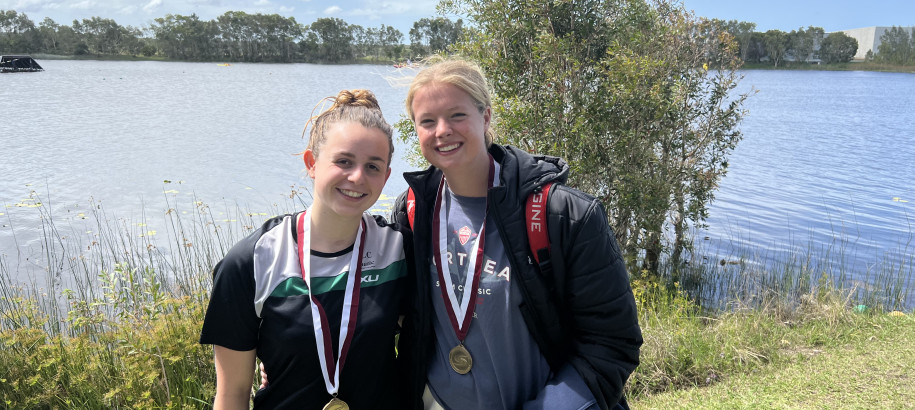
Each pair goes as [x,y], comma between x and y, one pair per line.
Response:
[482,326]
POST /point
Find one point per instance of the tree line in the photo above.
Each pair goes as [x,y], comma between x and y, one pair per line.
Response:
[813,44]
[233,36]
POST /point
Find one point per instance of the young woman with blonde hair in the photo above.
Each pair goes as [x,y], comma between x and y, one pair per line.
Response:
[489,329]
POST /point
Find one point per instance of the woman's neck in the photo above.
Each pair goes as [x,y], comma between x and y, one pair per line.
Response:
[471,181]
[332,233]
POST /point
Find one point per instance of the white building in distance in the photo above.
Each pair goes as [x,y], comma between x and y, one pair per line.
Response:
[869,39]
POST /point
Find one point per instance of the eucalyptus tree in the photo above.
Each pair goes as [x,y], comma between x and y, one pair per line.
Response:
[777,43]
[803,43]
[742,31]
[896,47]
[838,47]
[365,41]
[104,36]
[50,38]
[390,39]
[186,37]
[624,91]
[277,35]
[333,39]
[236,35]
[433,35]
[18,32]
[257,37]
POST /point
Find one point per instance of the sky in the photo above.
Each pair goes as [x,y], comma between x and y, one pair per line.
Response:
[785,15]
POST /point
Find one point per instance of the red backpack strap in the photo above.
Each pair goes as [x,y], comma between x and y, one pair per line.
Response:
[411,207]
[535,217]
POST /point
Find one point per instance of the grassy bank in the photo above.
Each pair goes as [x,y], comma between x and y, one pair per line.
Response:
[862,361]
[853,66]
[117,320]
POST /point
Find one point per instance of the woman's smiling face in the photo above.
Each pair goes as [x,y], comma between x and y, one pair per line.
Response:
[351,169]
[450,126]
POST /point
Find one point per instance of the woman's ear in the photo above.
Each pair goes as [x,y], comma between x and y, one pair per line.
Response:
[309,158]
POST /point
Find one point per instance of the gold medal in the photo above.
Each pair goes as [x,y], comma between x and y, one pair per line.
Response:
[460,359]
[336,404]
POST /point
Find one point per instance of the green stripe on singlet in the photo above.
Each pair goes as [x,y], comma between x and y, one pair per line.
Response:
[375,277]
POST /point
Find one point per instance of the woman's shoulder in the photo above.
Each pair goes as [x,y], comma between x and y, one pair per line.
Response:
[387,231]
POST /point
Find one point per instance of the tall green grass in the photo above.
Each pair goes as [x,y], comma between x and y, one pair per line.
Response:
[710,318]
[113,317]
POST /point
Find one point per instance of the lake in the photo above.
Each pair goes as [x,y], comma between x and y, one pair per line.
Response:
[827,157]
[826,164]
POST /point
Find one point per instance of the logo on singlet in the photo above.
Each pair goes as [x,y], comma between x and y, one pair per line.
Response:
[464,235]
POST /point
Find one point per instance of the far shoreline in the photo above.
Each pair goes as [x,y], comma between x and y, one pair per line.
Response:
[850,66]
[789,66]
[44,56]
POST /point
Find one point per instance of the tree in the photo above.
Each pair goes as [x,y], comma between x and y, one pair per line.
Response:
[103,36]
[186,37]
[334,39]
[838,47]
[621,90]
[365,41]
[776,43]
[895,47]
[390,40]
[257,37]
[430,36]
[802,43]
[18,32]
[742,32]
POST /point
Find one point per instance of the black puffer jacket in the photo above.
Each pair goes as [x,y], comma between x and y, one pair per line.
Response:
[583,313]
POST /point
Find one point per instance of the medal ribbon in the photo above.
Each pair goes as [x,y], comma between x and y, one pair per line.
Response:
[350,303]
[459,313]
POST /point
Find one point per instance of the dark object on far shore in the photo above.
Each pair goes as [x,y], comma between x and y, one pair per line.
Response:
[16,64]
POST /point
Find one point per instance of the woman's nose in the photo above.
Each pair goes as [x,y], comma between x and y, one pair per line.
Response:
[443,129]
[356,174]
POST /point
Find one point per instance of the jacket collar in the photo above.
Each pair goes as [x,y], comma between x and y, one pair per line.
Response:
[521,173]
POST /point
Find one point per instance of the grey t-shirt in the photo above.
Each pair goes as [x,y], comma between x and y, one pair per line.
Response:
[508,368]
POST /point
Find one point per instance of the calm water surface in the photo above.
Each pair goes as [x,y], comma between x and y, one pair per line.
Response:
[139,137]
[827,156]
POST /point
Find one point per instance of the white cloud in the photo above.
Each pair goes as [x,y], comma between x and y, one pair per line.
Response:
[332,10]
[152,5]
[260,3]
[28,4]
[83,5]
[395,7]
[287,10]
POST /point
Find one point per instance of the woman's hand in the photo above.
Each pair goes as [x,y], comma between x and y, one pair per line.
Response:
[263,376]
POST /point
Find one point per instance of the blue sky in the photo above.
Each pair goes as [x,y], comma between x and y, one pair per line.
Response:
[784,15]
[787,15]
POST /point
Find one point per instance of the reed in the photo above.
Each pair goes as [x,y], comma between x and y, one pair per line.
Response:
[112,317]
[713,317]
